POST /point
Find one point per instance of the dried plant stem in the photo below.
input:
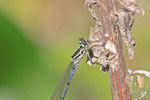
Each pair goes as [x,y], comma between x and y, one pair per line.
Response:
[119,86]
[114,20]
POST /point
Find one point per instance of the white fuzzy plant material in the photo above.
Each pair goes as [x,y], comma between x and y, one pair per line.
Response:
[123,15]
[97,45]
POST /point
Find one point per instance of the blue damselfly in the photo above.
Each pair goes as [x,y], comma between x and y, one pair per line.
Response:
[60,91]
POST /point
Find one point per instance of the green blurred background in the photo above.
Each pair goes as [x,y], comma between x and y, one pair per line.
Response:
[37,38]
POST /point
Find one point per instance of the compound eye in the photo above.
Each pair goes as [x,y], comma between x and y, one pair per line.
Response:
[81,40]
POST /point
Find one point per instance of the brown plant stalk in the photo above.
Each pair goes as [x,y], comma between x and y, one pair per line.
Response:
[114,20]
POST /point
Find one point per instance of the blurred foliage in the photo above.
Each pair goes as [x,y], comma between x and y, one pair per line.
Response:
[37,38]
[21,75]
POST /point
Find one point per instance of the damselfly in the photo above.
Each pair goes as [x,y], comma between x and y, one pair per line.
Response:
[61,90]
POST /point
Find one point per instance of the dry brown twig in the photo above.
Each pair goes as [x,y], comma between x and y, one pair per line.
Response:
[114,20]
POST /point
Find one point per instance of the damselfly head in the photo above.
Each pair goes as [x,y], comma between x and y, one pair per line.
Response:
[84,42]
